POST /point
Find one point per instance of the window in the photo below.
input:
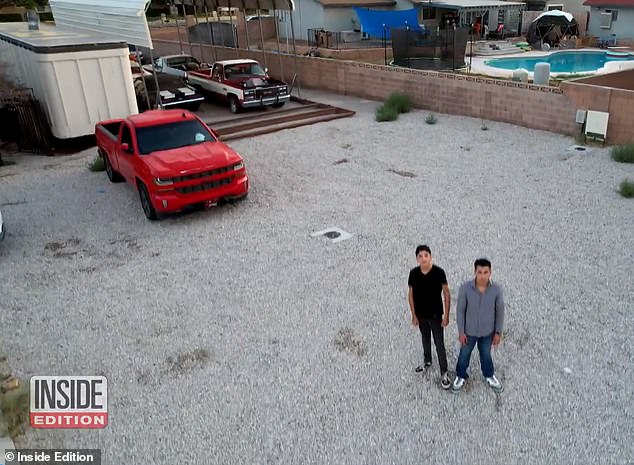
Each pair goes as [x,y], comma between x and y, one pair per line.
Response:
[217,72]
[172,135]
[557,6]
[606,20]
[615,15]
[126,135]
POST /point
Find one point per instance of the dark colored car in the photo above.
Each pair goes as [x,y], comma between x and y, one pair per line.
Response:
[174,92]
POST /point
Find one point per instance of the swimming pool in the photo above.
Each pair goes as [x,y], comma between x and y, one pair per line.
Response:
[560,62]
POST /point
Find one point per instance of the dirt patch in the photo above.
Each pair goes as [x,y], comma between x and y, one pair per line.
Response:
[187,361]
[347,341]
[59,248]
[130,243]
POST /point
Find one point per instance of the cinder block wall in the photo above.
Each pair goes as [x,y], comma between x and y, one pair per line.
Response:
[619,103]
[548,108]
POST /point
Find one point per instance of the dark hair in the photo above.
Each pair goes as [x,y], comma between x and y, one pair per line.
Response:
[423,248]
[482,262]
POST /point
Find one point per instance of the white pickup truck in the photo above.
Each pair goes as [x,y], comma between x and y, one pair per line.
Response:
[241,83]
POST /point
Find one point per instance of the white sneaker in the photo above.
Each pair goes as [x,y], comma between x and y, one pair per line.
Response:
[495,384]
[458,383]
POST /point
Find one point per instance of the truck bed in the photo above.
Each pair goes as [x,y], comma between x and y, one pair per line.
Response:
[111,128]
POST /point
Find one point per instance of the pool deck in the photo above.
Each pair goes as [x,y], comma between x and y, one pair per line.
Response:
[478,65]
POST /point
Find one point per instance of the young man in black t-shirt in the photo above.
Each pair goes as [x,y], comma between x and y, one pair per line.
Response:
[427,287]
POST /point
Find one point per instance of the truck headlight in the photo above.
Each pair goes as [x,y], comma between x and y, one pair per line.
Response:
[163,181]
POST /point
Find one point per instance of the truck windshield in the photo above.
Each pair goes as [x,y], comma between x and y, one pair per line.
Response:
[171,135]
[244,69]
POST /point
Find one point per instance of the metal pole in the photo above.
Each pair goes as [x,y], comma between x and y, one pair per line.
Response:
[246,24]
[409,63]
[385,44]
[211,35]
[158,90]
[178,30]
[147,94]
[200,42]
[261,32]
[453,53]
[294,52]
[233,32]
[277,41]
[189,39]
[471,51]
[222,29]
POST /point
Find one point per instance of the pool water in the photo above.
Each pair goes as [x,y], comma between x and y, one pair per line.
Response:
[560,62]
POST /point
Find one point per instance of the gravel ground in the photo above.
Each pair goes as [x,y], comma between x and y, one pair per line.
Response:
[232,336]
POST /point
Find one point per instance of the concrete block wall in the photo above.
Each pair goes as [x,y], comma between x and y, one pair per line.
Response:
[540,107]
[612,93]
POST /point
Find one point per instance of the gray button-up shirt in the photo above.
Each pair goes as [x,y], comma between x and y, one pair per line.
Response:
[480,314]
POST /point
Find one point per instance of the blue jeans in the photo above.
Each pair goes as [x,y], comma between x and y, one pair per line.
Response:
[484,349]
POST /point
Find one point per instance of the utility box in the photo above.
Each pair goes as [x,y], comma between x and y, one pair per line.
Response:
[79,78]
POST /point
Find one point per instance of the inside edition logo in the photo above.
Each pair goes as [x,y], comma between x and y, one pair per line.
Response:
[69,402]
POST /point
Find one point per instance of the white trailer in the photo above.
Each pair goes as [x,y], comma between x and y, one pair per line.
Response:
[78,77]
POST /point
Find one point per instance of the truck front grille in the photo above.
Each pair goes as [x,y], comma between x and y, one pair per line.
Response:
[205,186]
[204,174]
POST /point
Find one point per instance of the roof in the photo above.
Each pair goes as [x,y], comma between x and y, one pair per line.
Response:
[157,117]
[556,13]
[119,18]
[472,4]
[241,4]
[53,39]
[235,62]
[625,3]
[362,3]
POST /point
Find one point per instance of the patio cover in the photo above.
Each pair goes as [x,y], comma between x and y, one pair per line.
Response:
[349,3]
[240,4]
[123,19]
[471,5]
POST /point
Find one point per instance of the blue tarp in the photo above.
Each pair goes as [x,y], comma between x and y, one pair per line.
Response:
[375,23]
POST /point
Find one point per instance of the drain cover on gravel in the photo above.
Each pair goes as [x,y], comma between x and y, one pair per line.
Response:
[334,234]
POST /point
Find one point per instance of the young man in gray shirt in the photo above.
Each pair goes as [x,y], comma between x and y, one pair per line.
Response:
[480,318]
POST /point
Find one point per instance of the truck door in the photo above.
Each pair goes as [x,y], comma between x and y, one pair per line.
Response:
[126,157]
[215,84]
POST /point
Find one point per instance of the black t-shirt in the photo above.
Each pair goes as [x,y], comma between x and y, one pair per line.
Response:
[427,290]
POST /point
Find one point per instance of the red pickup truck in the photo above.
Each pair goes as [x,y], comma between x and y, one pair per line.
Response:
[172,158]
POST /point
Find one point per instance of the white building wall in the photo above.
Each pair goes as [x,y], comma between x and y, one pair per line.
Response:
[76,89]
[622,28]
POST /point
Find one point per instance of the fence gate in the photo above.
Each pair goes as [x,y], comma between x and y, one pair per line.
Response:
[25,122]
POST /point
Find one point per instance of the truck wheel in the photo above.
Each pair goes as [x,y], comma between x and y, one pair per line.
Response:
[113,175]
[234,104]
[146,202]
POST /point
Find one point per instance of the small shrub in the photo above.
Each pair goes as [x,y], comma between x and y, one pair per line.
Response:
[97,164]
[626,189]
[15,410]
[623,153]
[386,113]
[401,102]
[431,119]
